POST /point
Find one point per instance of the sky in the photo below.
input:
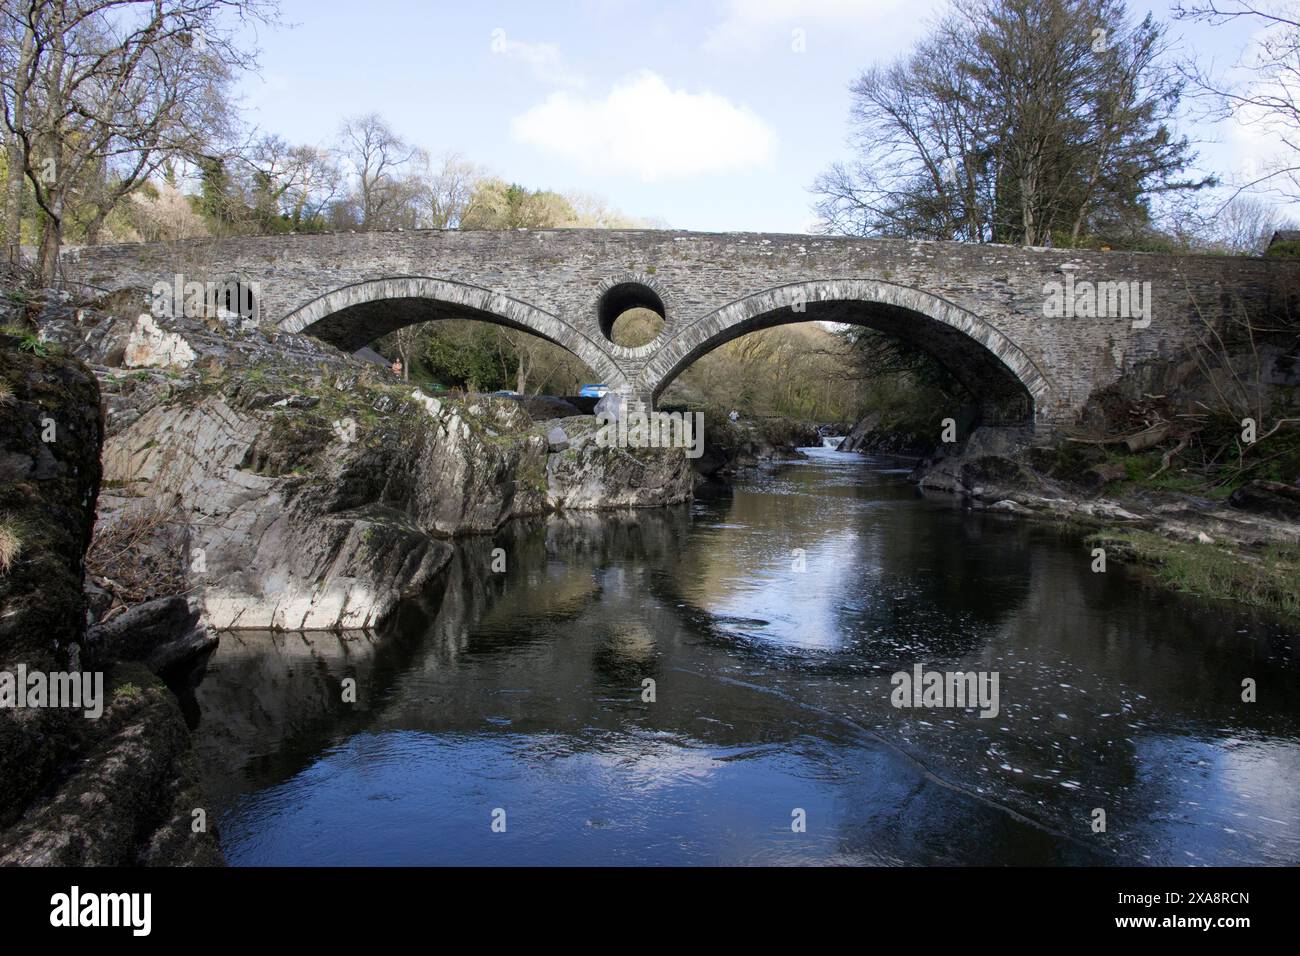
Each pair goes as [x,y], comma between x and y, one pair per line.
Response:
[701,114]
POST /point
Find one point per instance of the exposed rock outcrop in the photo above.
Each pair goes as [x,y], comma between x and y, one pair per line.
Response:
[313,489]
[987,459]
[326,515]
[270,545]
[129,798]
[586,475]
[731,446]
[79,787]
[876,433]
[49,476]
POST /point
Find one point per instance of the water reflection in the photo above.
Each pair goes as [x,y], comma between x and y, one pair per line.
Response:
[524,690]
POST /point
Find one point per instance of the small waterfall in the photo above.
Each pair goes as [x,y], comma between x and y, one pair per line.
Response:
[832,441]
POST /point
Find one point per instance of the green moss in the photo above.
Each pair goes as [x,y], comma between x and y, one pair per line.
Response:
[128,693]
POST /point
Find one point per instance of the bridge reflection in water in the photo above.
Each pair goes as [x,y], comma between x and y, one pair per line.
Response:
[524,691]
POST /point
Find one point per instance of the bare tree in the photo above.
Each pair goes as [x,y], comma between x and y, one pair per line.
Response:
[295,183]
[1244,226]
[1269,96]
[448,191]
[378,158]
[104,91]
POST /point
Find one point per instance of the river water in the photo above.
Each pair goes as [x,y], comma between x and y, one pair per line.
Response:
[506,719]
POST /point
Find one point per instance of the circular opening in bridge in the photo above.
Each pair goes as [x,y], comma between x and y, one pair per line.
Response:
[630,314]
[636,327]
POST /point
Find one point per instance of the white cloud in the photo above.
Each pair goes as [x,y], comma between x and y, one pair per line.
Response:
[752,24]
[543,60]
[648,129]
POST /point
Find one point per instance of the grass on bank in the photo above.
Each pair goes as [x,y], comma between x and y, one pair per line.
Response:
[29,340]
[1268,579]
[11,545]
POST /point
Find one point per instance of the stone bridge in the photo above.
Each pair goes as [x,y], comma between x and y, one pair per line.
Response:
[980,309]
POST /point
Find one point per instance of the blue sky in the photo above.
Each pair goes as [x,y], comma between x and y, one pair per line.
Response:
[706,114]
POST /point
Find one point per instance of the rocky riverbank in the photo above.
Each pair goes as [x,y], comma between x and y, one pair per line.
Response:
[1244,546]
[161,481]
[730,447]
[1188,464]
[304,489]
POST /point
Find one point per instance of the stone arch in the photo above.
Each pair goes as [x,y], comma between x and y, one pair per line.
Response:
[355,315]
[981,357]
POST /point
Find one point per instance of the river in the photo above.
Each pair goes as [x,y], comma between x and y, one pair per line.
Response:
[712,684]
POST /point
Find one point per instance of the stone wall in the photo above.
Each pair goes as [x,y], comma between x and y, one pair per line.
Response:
[979,307]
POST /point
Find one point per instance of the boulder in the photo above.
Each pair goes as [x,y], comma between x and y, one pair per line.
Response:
[860,436]
[556,439]
[163,634]
[980,476]
[151,346]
